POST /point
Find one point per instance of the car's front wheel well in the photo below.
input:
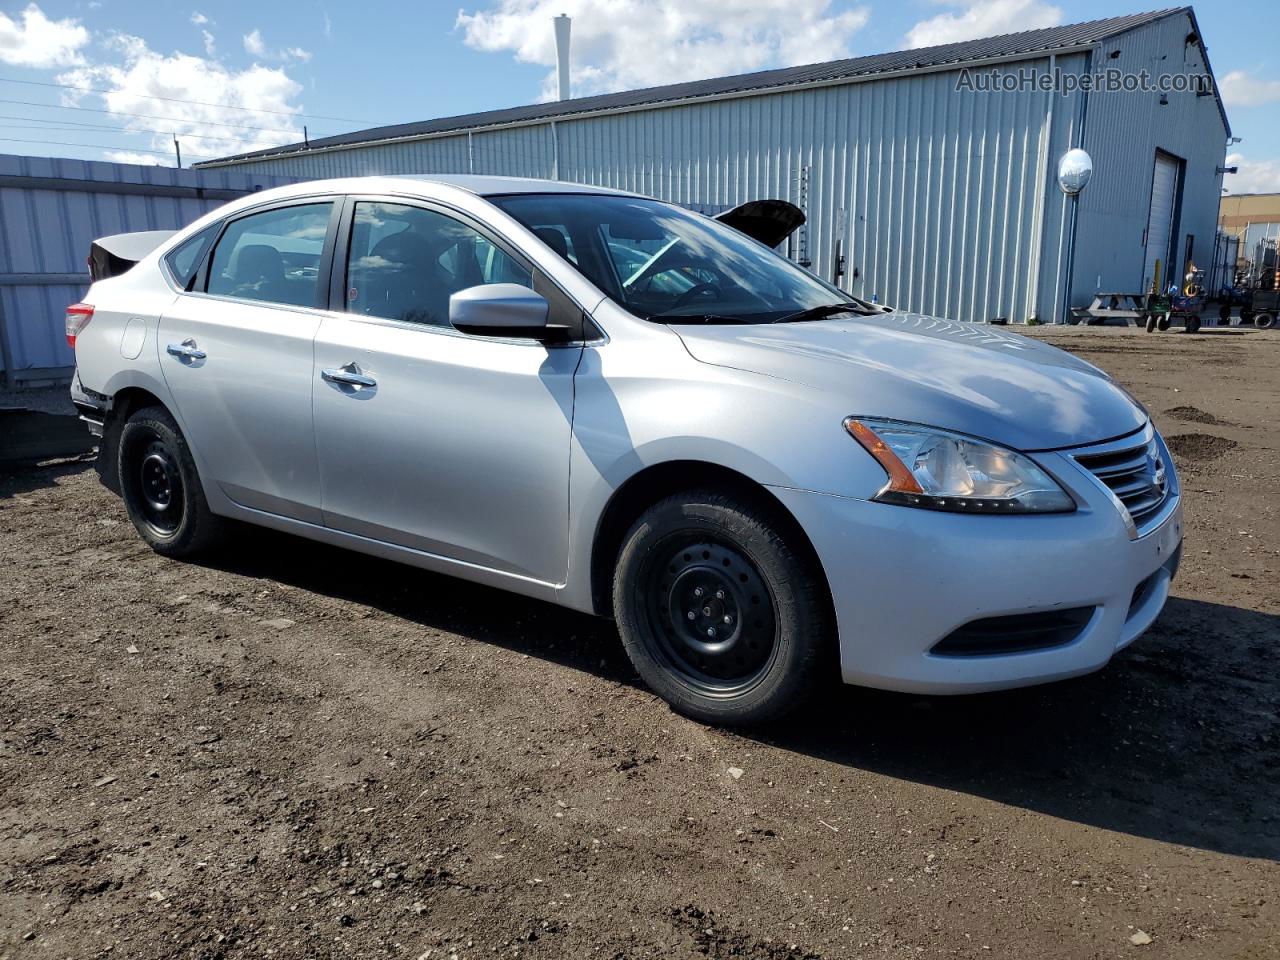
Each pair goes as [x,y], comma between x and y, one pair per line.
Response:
[123,405]
[662,480]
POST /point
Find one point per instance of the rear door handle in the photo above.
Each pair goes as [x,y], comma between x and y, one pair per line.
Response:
[186,350]
[348,376]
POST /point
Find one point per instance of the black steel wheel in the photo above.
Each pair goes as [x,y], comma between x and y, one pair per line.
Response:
[710,612]
[159,484]
[160,487]
[722,608]
[1263,321]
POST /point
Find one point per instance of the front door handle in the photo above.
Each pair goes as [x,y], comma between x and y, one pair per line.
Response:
[348,376]
[186,350]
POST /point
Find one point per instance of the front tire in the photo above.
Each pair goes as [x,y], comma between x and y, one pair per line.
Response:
[161,489]
[720,612]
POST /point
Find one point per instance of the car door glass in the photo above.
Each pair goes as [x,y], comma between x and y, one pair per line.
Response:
[272,256]
[184,259]
[404,263]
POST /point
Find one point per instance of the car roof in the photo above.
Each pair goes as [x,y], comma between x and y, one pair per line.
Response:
[427,186]
[484,185]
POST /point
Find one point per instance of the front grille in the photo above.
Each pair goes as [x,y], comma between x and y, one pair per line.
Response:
[1135,473]
[1016,633]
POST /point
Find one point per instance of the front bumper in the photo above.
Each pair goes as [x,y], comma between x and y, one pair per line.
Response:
[903,579]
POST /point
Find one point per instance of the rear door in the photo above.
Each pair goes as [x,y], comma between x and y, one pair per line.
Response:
[428,438]
[237,356]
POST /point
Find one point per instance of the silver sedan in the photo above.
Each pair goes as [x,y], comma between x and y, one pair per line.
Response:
[617,405]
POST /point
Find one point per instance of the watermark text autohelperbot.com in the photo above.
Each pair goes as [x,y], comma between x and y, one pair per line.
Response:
[1110,80]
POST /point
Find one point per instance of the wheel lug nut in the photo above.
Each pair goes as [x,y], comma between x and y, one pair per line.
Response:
[719,594]
[697,591]
[692,615]
[728,619]
[711,631]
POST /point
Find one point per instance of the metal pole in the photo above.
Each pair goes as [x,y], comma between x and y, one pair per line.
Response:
[177,150]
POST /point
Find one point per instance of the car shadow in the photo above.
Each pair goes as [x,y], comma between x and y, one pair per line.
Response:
[19,478]
[1177,740]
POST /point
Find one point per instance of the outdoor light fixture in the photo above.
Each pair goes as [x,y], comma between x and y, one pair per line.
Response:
[1074,170]
[1228,170]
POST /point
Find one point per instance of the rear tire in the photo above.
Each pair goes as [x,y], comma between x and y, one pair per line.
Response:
[720,613]
[161,489]
[1193,323]
[1263,321]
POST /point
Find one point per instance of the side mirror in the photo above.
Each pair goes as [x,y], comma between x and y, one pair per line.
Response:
[499,310]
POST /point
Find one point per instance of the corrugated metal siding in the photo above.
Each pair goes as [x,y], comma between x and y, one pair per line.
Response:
[935,192]
[1122,133]
[46,233]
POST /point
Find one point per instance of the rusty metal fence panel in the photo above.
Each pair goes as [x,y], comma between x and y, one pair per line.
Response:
[52,208]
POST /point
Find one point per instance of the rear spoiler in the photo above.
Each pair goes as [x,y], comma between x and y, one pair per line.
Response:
[769,221]
[112,256]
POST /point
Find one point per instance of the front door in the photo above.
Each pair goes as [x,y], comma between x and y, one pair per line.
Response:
[454,445]
[237,358]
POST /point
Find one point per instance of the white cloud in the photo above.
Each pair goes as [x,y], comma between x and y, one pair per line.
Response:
[983,18]
[1240,89]
[253,43]
[39,42]
[209,47]
[190,82]
[624,44]
[199,19]
[256,46]
[143,159]
[1260,177]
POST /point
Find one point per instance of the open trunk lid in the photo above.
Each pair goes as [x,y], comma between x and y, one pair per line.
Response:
[112,256]
[769,221]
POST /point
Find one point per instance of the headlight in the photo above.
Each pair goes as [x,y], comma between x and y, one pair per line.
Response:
[939,470]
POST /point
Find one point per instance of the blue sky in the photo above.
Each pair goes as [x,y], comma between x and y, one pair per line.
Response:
[383,62]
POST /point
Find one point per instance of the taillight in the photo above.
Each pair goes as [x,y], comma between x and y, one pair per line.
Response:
[78,317]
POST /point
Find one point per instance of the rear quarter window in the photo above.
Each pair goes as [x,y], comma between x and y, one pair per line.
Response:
[184,260]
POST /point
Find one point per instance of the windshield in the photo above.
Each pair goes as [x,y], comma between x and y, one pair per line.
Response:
[664,263]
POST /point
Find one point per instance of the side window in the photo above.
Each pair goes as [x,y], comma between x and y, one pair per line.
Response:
[184,259]
[404,263]
[272,256]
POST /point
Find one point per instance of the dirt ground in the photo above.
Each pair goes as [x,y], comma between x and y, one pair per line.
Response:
[299,752]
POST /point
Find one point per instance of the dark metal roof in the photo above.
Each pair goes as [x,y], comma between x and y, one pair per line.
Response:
[1029,42]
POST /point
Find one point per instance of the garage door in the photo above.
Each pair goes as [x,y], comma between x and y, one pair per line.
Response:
[1164,198]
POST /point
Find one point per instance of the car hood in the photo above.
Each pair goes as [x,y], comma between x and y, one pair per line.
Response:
[971,378]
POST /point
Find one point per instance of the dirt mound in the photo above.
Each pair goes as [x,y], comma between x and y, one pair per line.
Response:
[1191,415]
[1199,447]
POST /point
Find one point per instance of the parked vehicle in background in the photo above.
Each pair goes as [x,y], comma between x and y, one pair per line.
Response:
[626,408]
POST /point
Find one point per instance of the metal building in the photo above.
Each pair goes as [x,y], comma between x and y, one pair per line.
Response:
[921,187]
[51,209]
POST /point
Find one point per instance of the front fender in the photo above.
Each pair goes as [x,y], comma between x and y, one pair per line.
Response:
[628,418]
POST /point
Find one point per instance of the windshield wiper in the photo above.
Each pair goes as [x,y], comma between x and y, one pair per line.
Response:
[696,318]
[826,310]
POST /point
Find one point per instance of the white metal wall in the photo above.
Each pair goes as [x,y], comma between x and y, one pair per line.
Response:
[936,193]
[1123,131]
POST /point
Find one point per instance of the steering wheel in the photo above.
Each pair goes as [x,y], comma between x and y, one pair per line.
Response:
[696,290]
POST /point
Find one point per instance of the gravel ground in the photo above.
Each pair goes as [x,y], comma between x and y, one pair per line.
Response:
[299,752]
